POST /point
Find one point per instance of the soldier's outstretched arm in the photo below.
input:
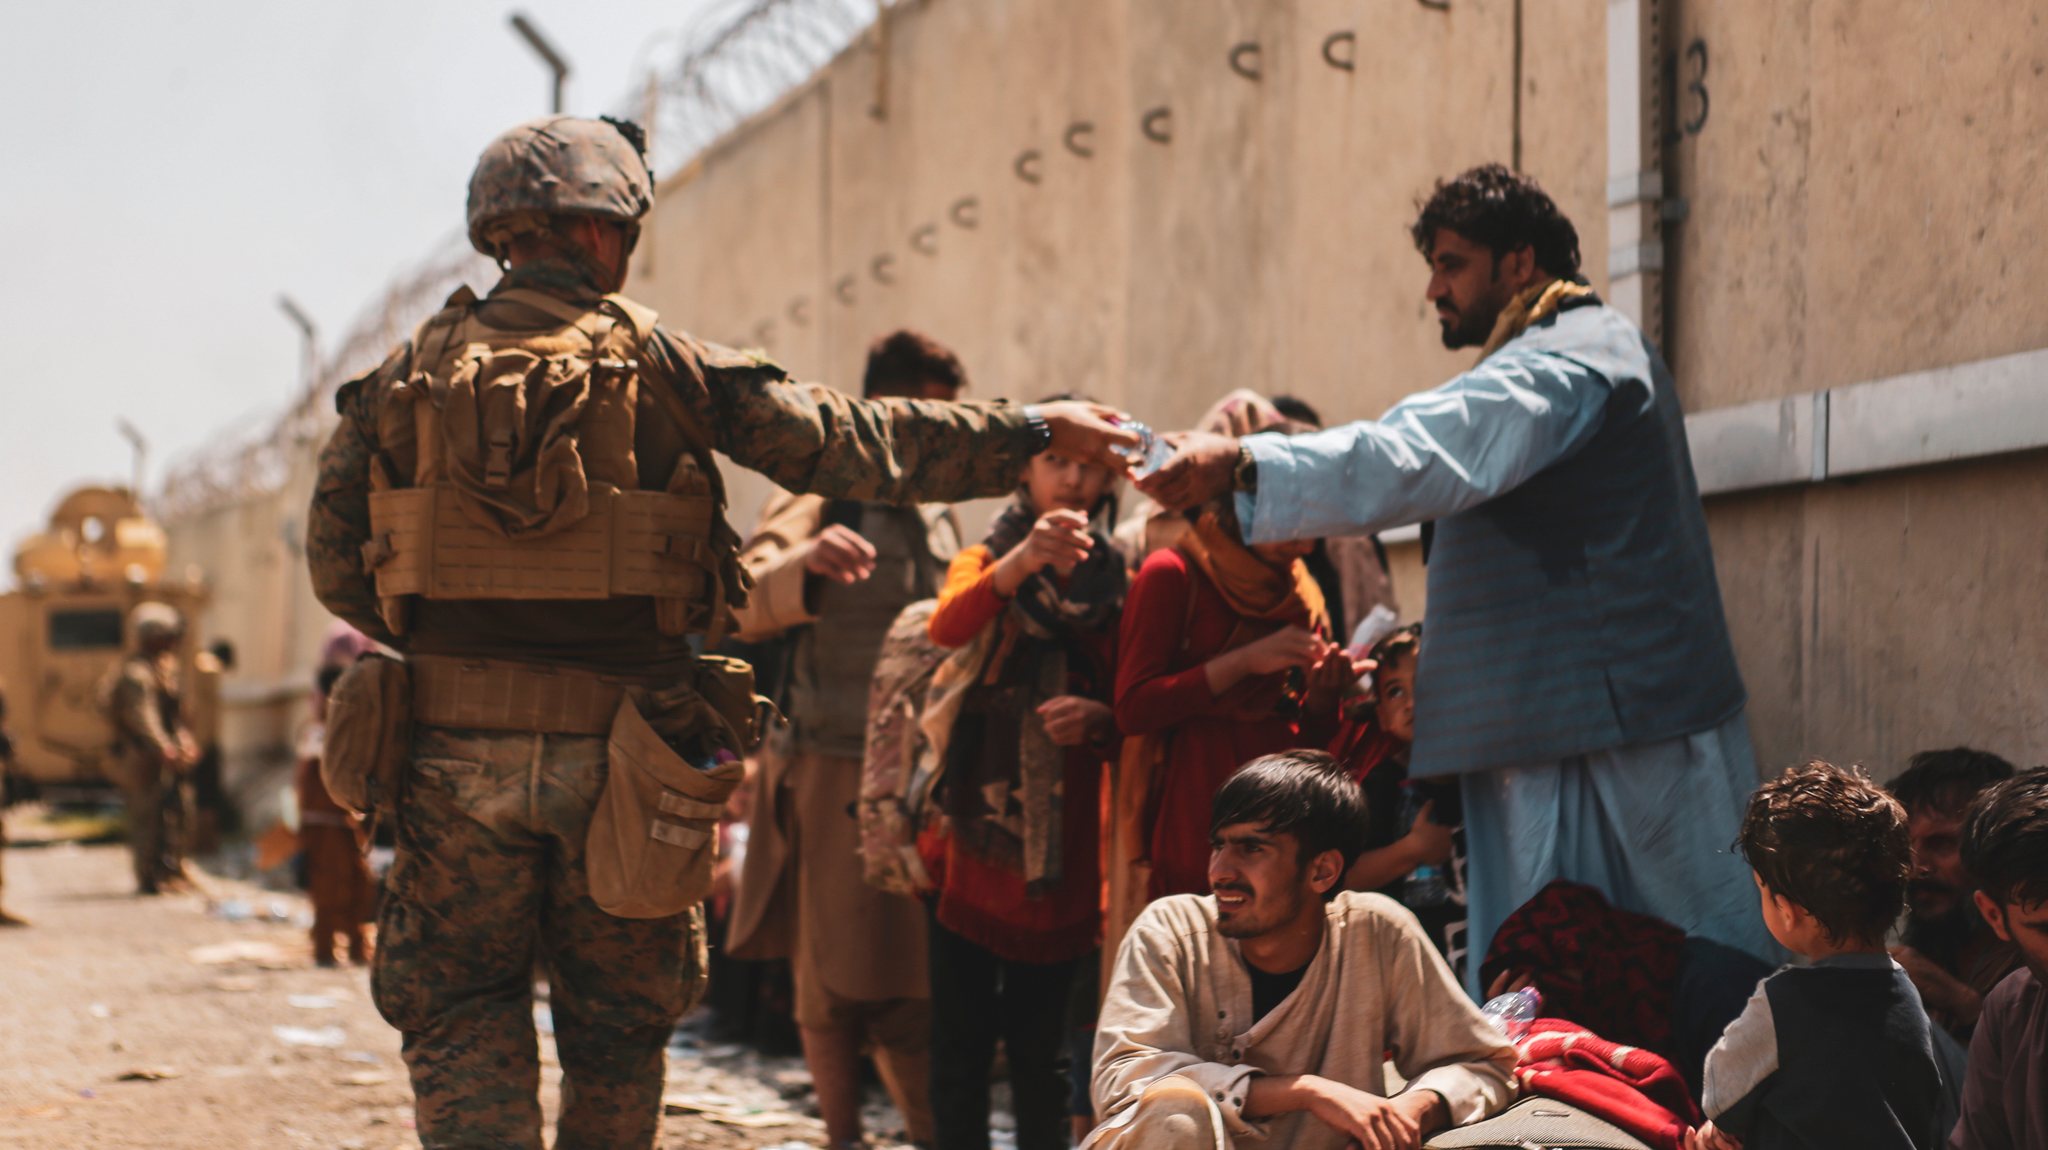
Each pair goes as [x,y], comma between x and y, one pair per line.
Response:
[811,438]
[338,524]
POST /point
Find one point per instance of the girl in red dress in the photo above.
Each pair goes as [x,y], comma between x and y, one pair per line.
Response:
[1225,655]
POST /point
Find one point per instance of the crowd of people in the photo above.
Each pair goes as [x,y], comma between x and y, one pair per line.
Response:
[1308,844]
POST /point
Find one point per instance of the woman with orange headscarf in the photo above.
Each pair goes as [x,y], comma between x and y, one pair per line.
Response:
[1225,655]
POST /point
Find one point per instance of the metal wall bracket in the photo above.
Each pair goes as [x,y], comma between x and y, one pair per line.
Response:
[1027,166]
[1245,61]
[965,213]
[1078,139]
[925,240]
[1158,125]
[1349,60]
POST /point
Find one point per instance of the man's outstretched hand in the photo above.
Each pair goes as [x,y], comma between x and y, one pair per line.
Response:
[1088,433]
[1202,468]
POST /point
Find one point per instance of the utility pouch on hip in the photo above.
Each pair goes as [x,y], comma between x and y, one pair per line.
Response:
[369,735]
[728,685]
[655,831]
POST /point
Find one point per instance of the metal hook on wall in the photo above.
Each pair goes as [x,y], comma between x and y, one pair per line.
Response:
[1026,166]
[1349,60]
[879,268]
[1438,5]
[1077,132]
[764,333]
[926,240]
[844,290]
[1245,61]
[1158,125]
[965,213]
[800,311]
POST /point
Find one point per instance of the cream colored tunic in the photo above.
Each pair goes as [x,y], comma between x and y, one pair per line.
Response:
[1181,1003]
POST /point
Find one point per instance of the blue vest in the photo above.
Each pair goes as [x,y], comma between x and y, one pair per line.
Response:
[1579,612]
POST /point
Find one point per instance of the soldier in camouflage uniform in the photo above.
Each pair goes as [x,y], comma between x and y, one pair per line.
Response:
[155,745]
[491,861]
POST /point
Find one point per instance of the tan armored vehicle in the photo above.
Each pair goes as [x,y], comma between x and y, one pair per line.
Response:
[63,630]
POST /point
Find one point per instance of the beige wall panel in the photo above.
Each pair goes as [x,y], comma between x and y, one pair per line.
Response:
[1363,147]
[1737,297]
[1564,116]
[1927,613]
[1761,560]
[735,242]
[1207,297]
[1928,226]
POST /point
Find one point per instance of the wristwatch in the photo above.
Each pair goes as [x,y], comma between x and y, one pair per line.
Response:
[1246,477]
[1041,431]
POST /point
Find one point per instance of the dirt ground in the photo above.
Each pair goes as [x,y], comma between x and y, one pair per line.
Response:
[183,1022]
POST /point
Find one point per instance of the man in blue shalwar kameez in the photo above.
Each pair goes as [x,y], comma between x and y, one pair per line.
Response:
[1576,675]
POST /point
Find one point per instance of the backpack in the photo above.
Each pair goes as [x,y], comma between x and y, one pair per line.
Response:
[900,767]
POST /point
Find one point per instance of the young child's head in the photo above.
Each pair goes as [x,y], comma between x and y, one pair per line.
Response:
[1057,483]
[2005,850]
[1393,683]
[1831,857]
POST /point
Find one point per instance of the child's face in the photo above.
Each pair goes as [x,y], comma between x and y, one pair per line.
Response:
[1394,697]
[2023,924]
[1057,483]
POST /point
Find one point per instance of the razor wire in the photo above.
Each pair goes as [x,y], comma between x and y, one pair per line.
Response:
[735,60]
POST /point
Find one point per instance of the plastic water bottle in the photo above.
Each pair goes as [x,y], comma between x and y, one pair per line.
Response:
[1427,885]
[1513,1012]
[1151,453]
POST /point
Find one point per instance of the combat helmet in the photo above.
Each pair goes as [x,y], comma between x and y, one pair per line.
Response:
[155,623]
[557,165]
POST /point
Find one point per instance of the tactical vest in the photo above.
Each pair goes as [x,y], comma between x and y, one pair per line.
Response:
[509,472]
[835,658]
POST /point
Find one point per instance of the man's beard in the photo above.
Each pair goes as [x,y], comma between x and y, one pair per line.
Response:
[1244,924]
[1942,937]
[1463,330]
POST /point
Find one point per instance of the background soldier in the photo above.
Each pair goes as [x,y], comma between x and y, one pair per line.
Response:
[517,424]
[6,799]
[156,747]
[830,577]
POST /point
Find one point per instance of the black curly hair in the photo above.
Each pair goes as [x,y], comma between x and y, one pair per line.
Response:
[1505,211]
[901,361]
[1833,842]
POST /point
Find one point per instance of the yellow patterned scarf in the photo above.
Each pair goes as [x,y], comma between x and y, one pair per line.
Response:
[1530,307]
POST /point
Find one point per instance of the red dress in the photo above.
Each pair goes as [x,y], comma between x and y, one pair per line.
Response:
[987,904]
[1174,621]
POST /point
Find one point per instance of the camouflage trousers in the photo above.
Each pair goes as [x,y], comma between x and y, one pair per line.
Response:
[156,809]
[488,880]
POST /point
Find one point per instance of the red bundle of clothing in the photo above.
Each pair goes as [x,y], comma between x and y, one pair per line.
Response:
[1631,1087]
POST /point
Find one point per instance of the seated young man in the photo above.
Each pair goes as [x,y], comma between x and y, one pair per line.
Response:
[1264,1012]
[2005,849]
[1946,947]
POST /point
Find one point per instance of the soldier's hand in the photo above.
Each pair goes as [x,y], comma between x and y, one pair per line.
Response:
[1088,432]
[841,555]
[1203,466]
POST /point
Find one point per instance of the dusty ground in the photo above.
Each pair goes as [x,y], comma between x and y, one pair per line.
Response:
[254,1046]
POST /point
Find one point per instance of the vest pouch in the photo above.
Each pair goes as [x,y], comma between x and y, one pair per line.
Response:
[369,735]
[655,832]
[728,685]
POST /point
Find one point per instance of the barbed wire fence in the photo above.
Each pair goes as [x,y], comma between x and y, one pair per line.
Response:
[736,59]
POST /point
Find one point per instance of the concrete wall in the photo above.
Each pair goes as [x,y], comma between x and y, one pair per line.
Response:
[1863,195]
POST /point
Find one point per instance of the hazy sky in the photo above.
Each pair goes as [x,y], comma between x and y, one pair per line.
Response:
[170,167]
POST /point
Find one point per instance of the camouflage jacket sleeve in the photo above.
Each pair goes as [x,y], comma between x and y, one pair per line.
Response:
[338,523]
[775,555]
[135,712]
[812,439]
